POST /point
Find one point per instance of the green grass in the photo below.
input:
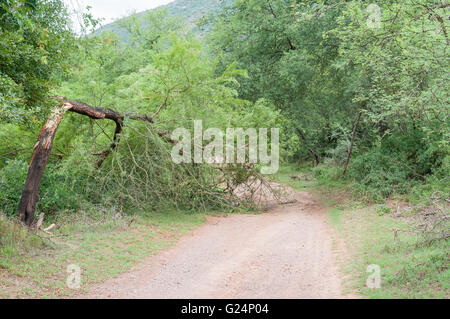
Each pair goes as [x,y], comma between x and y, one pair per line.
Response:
[408,268]
[283,176]
[31,266]
[335,216]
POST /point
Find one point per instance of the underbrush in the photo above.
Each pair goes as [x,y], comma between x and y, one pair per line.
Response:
[58,192]
[15,239]
[376,180]
[412,166]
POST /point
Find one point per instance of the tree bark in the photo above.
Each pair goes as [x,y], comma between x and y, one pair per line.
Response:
[43,147]
[38,162]
[350,149]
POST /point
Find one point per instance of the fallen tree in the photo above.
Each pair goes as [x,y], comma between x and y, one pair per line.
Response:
[44,144]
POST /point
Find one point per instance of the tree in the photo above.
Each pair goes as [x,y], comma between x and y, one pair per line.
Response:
[357,80]
[292,63]
[35,40]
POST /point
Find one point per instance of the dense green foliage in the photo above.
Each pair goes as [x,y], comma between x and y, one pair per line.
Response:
[323,62]
[307,67]
[34,43]
[161,65]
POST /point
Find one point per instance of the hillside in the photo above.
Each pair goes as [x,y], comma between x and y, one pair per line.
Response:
[190,10]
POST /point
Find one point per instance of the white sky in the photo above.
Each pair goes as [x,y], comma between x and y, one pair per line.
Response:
[112,9]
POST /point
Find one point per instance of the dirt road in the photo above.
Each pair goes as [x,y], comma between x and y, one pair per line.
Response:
[283,253]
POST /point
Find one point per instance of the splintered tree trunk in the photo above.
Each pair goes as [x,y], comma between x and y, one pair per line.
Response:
[43,147]
[39,160]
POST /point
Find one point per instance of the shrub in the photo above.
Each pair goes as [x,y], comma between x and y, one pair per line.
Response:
[324,172]
[382,209]
[378,176]
[12,179]
[338,155]
[397,165]
[55,193]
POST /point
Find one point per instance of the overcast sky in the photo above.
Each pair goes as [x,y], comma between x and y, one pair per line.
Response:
[113,9]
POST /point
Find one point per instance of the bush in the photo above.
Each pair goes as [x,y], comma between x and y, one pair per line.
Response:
[397,165]
[12,179]
[378,176]
[324,172]
[438,181]
[382,209]
[339,154]
[55,193]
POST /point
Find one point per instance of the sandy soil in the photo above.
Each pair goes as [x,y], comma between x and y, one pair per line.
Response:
[283,253]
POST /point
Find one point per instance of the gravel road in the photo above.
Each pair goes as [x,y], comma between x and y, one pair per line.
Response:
[285,252]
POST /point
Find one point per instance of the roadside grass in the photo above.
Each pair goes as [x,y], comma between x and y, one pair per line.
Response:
[35,266]
[409,268]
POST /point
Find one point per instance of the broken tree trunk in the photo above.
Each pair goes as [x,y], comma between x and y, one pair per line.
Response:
[38,162]
[43,147]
